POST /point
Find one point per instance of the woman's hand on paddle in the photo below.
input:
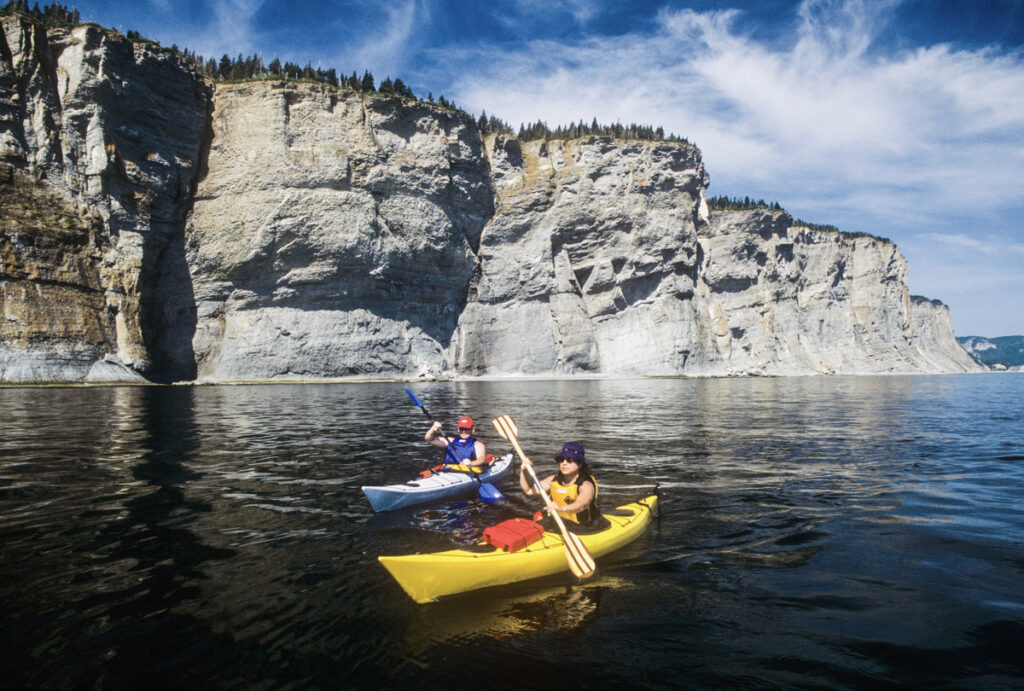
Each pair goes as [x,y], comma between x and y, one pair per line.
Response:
[525,481]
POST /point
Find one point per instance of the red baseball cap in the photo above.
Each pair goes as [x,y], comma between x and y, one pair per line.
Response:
[465,422]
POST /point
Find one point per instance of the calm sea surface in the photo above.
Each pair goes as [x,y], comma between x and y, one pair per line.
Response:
[836,532]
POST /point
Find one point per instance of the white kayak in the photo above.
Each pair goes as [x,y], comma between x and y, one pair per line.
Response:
[439,485]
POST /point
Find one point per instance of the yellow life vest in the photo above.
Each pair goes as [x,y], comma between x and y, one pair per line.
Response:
[563,495]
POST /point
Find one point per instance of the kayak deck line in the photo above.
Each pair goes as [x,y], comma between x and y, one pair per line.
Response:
[426,577]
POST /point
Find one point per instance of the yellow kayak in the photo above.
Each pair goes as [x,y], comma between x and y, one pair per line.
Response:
[426,577]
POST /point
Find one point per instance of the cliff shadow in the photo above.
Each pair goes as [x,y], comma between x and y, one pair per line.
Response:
[168,313]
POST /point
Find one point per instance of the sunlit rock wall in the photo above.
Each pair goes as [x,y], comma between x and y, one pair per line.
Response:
[934,340]
[334,235]
[785,299]
[589,263]
[156,225]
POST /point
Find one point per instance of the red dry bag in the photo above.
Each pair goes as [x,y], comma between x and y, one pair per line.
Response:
[513,534]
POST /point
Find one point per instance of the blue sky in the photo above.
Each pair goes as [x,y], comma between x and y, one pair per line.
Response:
[899,118]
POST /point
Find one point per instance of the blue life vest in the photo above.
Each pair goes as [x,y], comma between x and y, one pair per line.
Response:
[460,450]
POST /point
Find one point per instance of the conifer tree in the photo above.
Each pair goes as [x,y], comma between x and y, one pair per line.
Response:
[401,89]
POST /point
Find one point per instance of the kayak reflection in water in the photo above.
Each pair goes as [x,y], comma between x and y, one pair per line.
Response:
[466,450]
[573,489]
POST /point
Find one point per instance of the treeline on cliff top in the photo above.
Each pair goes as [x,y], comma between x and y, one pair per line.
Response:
[243,68]
[737,204]
[747,204]
[50,15]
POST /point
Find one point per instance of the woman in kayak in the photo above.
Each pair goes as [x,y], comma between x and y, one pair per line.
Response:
[573,489]
[466,449]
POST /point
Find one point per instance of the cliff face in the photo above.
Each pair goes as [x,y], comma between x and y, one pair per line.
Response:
[785,299]
[333,236]
[99,149]
[589,263]
[155,225]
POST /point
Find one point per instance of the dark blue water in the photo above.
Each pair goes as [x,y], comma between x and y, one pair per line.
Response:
[816,532]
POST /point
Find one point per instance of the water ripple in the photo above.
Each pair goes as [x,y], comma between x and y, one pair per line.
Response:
[833,531]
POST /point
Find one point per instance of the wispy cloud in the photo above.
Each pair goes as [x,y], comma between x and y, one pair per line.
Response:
[822,117]
[990,245]
[960,241]
[579,10]
[386,44]
[221,27]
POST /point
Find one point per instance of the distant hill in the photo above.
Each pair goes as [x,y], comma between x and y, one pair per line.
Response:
[1004,351]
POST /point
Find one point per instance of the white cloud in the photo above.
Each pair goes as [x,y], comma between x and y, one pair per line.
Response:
[913,134]
[385,46]
[991,245]
[580,10]
[960,241]
[230,31]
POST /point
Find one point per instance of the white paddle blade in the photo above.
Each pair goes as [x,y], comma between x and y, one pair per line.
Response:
[506,427]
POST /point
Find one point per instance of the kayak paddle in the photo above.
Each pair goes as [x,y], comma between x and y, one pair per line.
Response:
[580,562]
[488,492]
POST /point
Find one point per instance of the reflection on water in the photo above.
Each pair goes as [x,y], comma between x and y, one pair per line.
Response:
[815,532]
[507,614]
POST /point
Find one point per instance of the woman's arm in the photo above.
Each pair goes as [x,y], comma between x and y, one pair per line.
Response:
[526,482]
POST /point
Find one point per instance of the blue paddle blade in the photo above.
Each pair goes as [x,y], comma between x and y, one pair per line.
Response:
[414,399]
[490,493]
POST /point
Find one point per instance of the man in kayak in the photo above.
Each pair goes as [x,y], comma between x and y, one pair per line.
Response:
[466,450]
[572,489]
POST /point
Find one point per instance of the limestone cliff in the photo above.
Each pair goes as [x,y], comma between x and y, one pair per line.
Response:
[333,235]
[99,148]
[785,299]
[157,225]
[617,268]
[590,261]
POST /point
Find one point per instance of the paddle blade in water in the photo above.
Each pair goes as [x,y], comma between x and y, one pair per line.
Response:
[490,493]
